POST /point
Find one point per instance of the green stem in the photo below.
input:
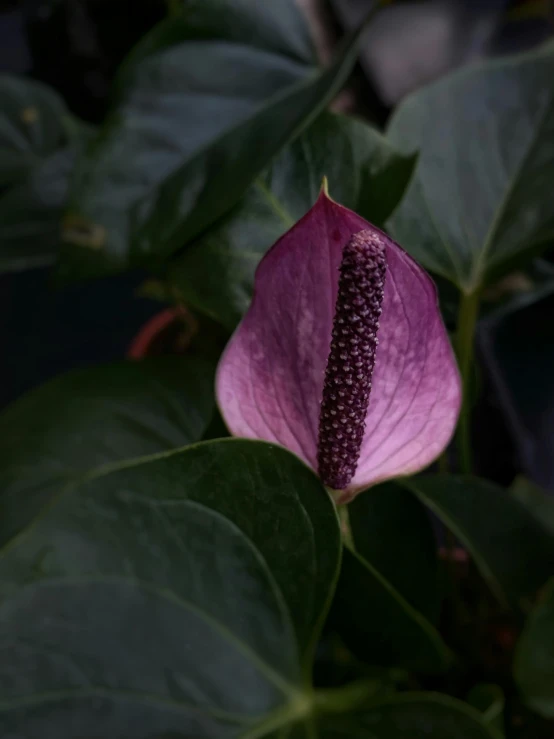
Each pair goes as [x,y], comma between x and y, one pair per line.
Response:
[347,698]
[345,528]
[465,339]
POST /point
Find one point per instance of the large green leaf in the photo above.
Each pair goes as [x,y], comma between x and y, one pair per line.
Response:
[181,593]
[90,418]
[201,111]
[512,550]
[408,716]
[378,625]
[392,530]
[38,140]
[480,197]
[215,274]
[534,659]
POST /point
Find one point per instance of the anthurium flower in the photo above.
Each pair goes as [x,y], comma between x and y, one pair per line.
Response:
[342,357]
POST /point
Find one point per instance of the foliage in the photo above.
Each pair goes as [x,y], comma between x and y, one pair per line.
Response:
[160,580]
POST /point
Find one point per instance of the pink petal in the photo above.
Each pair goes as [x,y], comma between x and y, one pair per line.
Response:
[270,378]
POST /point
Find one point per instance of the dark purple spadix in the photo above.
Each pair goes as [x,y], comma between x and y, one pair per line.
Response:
[351,358]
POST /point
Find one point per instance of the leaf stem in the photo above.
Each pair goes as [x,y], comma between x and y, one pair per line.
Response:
[346,698]
[465,339]
[345,528]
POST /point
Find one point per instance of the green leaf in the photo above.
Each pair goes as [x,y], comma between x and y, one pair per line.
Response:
[512,550]
[378,625]
[180,593]
[34,124]
[489,700]
[215,274]
[407,716]
[196,123]
[38,140]
[534,658]
[536,500]
[30,215]
[90,418]
[480,198]
[392,530]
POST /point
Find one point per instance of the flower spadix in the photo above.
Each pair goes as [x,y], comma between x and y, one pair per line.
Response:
[342,357]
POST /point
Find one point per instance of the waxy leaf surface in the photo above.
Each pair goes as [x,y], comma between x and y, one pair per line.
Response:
[179,595]
[480,199]
[89,418]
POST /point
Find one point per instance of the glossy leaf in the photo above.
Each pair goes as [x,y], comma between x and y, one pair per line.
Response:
[392,530]
[512,550]
[176,594]
[38,140]
[480,198]
[215,274]
[534,659]
[406,716]
[378,625]
[197,123]
[90,418]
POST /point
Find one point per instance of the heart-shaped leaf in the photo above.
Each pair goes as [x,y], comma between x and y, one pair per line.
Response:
[215,274]
[534,659]
[480,197]
[407,716]
[89,418]
[379,625]
[392,530]
[182,593]
[38,140]
[195,123]
[512,550]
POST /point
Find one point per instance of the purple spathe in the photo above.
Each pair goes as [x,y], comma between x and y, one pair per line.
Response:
[271,376]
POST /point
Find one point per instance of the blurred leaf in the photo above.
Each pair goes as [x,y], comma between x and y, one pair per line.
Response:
[30,215]
[176,595]
[392,530]
[407,716]
[512,550]
[534,659]
[38,140]
[378,625]
[480,198]
[279,28]
[90,418]
[535,500]
[215,274]
[196,122]
[489,700]
[33,125]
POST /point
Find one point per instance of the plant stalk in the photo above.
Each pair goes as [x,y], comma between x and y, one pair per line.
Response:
[465,340]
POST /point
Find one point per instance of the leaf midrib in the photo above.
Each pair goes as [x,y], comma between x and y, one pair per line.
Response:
[479,267]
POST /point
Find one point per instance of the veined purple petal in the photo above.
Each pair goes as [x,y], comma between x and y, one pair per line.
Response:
[270,378]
